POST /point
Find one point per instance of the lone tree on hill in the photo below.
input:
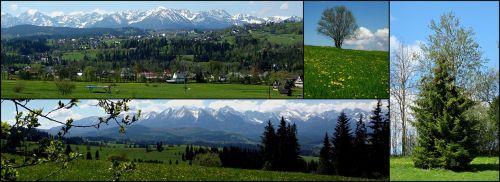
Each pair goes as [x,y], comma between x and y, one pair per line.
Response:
[338,23]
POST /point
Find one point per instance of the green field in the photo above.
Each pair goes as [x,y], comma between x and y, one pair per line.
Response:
[341,73]
[90,170]
[483,168]
[47,89]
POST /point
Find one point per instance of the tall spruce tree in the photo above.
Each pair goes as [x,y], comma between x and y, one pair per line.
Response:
[342,146]
[360,148]
[325,157]
[268,146]
[446,138]
[379,139]
[294,158]
[282,154]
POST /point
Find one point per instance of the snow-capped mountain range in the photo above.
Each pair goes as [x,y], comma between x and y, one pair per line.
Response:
[158,18]
[249,124]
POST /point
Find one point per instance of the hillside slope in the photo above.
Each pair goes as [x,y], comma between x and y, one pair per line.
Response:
[342,73]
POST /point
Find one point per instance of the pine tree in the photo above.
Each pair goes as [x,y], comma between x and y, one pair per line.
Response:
[446,138]
[89,155]
[325,157]
[268,146]
[379,139]
[293,160]
[342,146]
[97,155]
[282,154]
[360,148]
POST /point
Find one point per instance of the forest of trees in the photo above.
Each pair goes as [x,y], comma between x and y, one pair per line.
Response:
[355,152]
[204,56]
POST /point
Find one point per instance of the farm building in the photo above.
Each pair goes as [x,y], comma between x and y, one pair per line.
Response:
[178,77]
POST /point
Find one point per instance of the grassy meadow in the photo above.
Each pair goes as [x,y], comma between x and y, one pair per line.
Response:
[483,169]
[342,73]
[90,170]
[47,89]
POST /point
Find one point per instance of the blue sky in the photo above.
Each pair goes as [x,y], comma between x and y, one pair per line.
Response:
[410,22]
[373,16]
[280,8]
[87,107]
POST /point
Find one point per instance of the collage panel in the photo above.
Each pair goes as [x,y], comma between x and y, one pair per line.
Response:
[346,52]
[444,91]
[165,49]
[249,91]
[195,140]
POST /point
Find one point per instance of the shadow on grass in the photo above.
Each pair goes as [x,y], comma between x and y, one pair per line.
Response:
[484,167]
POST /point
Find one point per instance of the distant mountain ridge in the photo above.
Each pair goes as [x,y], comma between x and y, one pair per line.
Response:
[224,125]
[157,18]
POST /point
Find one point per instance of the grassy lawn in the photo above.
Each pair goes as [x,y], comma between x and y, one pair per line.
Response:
[85,170]
[47,89]
[341,73]
[90,170]
[483,169]
[78,55]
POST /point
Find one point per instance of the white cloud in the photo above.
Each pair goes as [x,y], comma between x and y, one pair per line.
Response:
[239,105]
[13,7]
[282,105]
[76,13]
[366,40]
[60,115]
[55,13]
[88,103]
[284,6]
[413,47]
[31,11]
[100,11]
[184,103]
[147,106]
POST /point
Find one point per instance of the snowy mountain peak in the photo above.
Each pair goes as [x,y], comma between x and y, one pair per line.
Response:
[157,18]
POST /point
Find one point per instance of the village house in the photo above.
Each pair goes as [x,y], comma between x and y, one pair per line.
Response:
[299,82]
[178,77]
[149,75]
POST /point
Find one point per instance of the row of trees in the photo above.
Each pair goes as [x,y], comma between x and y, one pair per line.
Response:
[280,148]
[357,153]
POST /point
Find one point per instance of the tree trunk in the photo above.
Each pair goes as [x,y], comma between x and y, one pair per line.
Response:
[338,44]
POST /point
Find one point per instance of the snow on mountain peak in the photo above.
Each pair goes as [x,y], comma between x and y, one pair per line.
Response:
[157,18]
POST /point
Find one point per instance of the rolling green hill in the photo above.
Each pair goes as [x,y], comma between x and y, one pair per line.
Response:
[90,170]
[342,73]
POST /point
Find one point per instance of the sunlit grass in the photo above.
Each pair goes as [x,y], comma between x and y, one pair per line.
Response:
[483,169]
[341,73]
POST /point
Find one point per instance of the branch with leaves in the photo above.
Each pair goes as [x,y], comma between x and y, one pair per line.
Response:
[116,111]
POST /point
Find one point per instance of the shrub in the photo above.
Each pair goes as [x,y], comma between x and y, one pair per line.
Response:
[208,159]
[24,75]
[121,157]
[65,87]
[19,87]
